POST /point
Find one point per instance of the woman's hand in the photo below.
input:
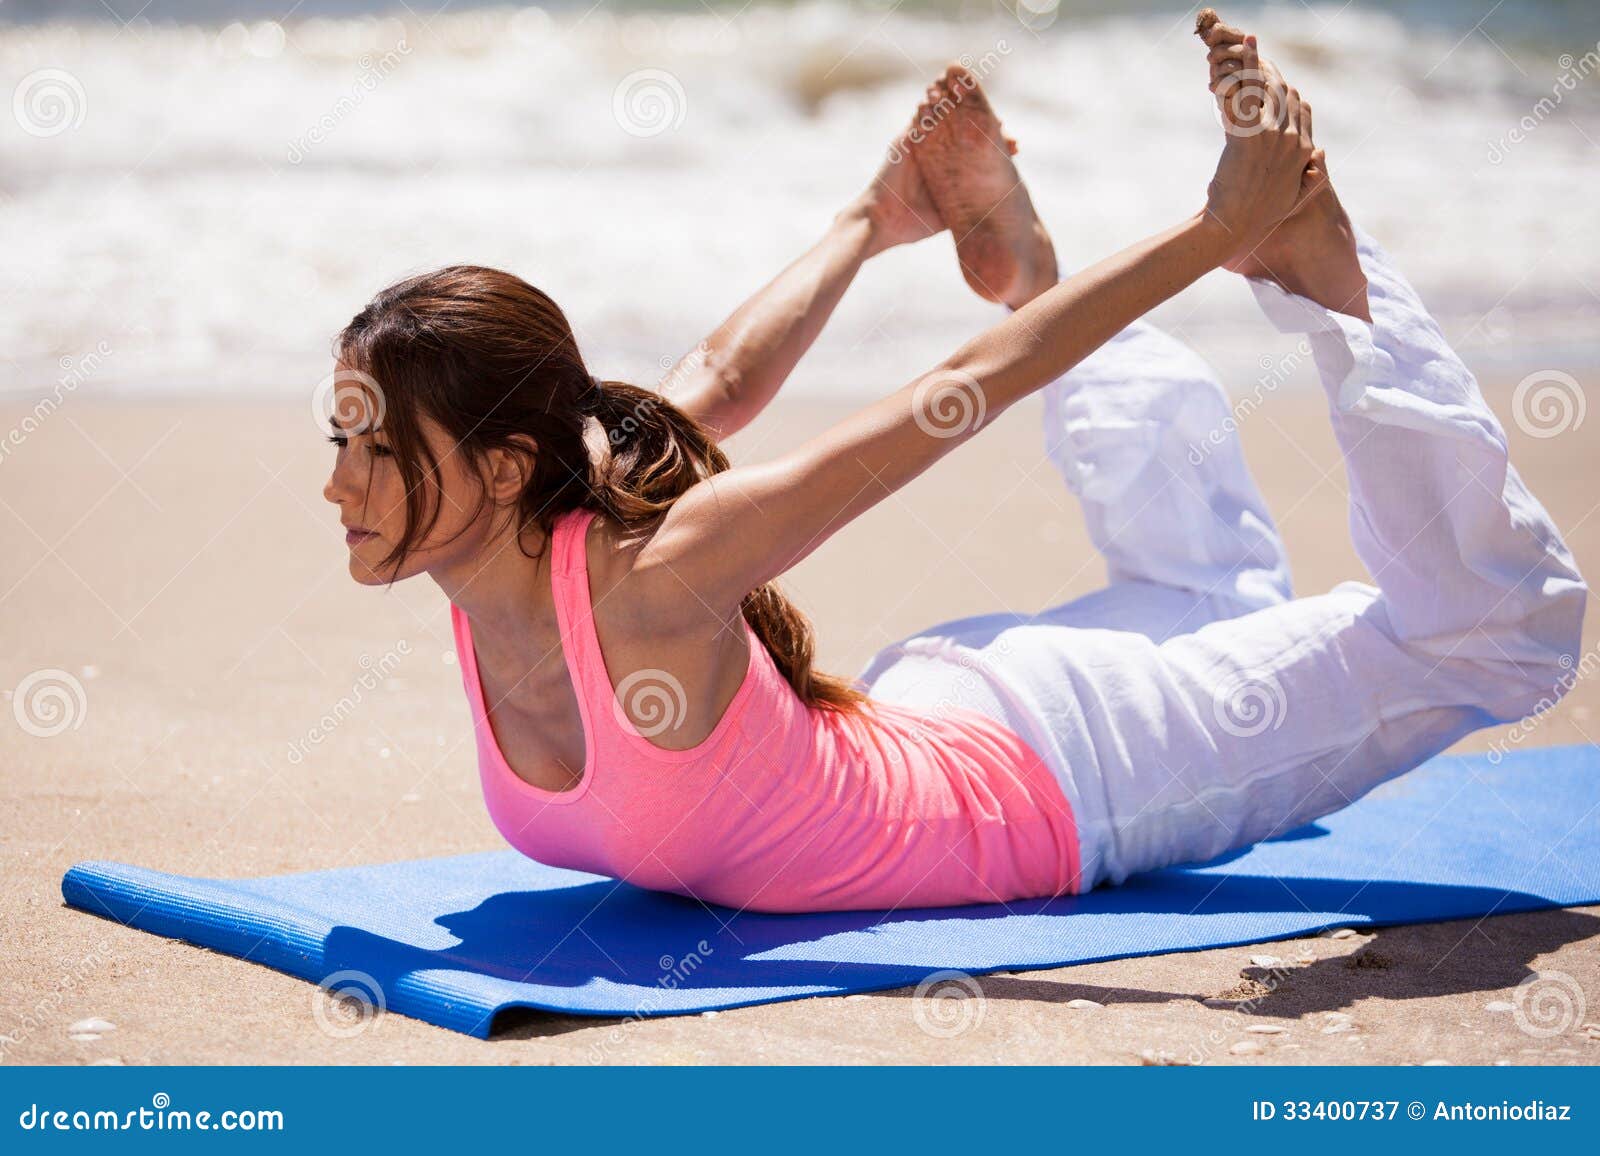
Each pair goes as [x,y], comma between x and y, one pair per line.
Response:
[1260,178]
[896,203]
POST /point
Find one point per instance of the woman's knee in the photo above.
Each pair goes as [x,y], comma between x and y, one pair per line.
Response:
[1553,631]
[1533,667]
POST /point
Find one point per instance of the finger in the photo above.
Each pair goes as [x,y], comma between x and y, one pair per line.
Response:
[1305,124]
[1225,52]
[1267,82]
[1290,120]
[1264,86]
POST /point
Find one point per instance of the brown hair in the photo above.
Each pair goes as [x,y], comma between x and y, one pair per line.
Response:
[489,357]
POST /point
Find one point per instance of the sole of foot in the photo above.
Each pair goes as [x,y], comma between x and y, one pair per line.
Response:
[1005,252]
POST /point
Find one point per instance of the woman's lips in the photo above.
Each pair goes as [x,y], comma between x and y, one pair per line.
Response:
[355,537]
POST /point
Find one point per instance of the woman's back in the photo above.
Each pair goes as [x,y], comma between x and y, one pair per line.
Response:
[782,807]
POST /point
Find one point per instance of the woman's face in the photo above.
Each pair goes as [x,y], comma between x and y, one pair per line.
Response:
[367,487]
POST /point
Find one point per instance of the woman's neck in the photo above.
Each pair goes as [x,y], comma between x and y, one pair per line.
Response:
[504,592]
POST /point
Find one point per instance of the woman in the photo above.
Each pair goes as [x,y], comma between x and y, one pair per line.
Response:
[643,696]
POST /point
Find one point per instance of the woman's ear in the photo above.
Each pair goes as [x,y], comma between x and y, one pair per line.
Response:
[510,468]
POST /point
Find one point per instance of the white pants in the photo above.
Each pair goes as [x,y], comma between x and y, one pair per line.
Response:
[1194,706]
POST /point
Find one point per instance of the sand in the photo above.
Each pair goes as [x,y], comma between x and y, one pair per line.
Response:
[178,559]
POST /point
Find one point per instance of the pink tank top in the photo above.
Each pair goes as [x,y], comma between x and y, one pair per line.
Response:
[783,807]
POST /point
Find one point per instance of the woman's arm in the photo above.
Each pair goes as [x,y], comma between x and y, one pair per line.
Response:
[741,528]
[729,378]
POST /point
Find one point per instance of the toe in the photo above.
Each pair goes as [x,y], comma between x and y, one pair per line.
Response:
[966,86]
[1225,34]
[1214,32]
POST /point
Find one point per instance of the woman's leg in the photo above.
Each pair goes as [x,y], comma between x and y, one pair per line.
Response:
[1140,432]
[733,373]
[1249,727]
[1143,433]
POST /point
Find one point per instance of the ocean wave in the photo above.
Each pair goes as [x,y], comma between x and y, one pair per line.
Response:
[212,202]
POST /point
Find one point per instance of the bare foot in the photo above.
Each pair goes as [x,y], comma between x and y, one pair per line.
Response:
[965,159]
[897,201]
[1313,251]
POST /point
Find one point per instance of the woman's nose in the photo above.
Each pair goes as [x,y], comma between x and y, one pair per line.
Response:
[338,484]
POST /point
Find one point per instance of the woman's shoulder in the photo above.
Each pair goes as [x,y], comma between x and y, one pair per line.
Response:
[650,625]
[638,591]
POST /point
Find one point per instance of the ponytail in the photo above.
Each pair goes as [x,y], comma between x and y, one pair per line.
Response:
[656,453]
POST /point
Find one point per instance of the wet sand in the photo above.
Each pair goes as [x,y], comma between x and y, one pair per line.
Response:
[179,560]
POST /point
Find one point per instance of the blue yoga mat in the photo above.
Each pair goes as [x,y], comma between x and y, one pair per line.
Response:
[455,941]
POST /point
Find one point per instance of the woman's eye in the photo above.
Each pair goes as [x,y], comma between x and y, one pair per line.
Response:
[341,441]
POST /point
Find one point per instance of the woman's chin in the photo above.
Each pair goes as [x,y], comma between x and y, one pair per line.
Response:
[363,573]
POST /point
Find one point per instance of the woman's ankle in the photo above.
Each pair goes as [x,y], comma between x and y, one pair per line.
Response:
[1322,264]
